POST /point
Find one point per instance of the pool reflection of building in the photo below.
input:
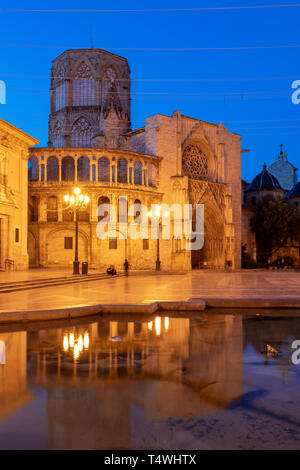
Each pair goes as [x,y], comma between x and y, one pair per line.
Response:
[13,374]
[166,367]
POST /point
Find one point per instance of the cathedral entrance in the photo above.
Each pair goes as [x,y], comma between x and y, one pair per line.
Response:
[212,255]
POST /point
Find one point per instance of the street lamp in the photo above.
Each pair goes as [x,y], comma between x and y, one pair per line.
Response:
[77,201]
[156,215]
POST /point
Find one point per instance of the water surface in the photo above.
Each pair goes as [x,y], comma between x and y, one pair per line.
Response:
[192,382]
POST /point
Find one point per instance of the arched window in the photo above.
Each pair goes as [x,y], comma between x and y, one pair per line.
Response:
[52,214]
[57,139]
[52,169]
[33,169]
[84,86]
[123,209]
[138,173]
[152,175]
[103,200]
[194,163]
[137,211]
[60,96]
[83,169]
[81,133]
[103,169]
[122,170]
[67,169]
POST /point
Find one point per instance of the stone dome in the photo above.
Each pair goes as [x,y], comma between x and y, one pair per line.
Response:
[264,181]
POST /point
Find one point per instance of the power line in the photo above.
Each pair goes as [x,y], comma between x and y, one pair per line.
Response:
[133,121]
[45,91]
[149,10]
[164,49]
[161,80]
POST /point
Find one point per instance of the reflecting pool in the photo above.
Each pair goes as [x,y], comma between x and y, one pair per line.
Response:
[161,382]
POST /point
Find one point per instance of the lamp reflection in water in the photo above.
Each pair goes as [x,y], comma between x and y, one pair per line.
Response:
[76,343]
[158,325]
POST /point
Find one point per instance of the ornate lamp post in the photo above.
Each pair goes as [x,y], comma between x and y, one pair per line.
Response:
[77,201]
[156,217]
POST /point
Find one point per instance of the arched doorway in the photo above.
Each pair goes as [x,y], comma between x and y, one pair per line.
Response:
[212,255]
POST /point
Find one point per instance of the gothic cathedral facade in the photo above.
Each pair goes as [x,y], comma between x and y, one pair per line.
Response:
[171,160]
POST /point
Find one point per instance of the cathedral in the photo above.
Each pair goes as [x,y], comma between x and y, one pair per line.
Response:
[171,160]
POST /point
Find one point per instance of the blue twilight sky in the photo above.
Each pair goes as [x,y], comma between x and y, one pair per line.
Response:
[249,89]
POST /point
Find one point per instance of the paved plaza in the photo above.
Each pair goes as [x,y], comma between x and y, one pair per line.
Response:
[146,288]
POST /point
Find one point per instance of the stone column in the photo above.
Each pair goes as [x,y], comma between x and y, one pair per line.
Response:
[75,163]
[94,207]
[45,169]
[146,177]
[59,209]
[40,169]
[59,170]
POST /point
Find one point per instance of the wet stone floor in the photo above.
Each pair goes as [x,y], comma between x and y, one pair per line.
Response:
[180,382]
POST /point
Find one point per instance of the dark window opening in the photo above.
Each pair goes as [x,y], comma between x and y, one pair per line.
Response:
[68,243]
[113,243]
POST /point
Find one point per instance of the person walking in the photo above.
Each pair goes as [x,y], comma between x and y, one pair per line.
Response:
[126,267]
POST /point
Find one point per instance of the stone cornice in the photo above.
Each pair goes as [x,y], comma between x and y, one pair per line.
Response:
[17,134]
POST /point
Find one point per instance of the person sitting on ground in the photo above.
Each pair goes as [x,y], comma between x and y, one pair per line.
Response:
[111,270]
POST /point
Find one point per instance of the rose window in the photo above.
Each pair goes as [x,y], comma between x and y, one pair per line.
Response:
[194,163]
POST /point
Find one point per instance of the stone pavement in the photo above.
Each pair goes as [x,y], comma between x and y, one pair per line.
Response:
[148,288]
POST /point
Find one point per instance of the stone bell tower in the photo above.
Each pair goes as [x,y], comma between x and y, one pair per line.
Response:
[89,99]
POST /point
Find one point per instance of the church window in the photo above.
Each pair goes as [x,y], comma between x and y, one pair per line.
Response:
[106,213]
[194,163]
[103,169]
[81,133]
[67,169]
[84,86]
[52,169]
[83,169]
[60,96]
[138,173]
[122,170]
[33,169]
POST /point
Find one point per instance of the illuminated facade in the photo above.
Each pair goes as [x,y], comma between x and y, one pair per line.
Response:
[14,149]
[172,159]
